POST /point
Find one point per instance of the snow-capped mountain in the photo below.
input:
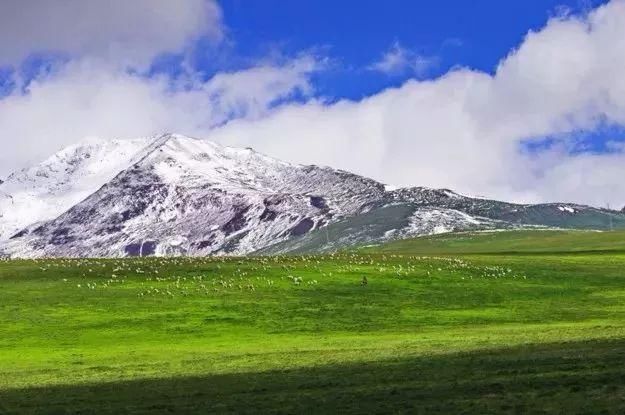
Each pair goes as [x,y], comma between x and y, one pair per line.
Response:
[175,195]
[45,191]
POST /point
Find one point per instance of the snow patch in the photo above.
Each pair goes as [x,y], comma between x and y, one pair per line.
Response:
[566,209]
[390,187]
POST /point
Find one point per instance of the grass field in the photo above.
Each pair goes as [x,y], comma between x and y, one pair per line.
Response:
[503,322]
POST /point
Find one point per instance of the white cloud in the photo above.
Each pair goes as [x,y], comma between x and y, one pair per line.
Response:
[88,98]
[97,90]
[399,60]
[127,32]
[252,92]
[464,129]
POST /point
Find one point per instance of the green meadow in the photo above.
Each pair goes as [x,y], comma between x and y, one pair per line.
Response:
[502,322]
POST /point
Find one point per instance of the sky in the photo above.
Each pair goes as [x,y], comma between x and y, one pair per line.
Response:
[516,100]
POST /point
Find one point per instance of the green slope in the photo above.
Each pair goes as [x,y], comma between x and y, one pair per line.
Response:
[517,241]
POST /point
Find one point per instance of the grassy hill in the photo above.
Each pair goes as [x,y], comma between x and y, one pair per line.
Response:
[532,329]
[518,241]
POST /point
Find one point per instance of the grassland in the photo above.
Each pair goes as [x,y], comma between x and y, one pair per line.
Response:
[514,325]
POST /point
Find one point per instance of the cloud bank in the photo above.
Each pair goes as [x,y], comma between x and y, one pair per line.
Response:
[463,130]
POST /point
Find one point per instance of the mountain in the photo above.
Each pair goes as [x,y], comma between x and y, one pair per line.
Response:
[175,195]
[45,191]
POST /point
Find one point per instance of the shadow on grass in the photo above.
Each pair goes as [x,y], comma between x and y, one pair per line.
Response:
[577,377]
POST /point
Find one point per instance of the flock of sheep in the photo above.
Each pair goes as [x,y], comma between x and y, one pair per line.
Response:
[184,277]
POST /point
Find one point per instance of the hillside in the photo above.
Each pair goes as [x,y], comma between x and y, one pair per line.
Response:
[537,332]
[508,242]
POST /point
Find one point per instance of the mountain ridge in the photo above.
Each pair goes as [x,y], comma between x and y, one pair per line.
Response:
[175,195]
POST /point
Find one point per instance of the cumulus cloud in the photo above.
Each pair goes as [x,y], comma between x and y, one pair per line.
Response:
[464,129]
[128,32]
[399,60]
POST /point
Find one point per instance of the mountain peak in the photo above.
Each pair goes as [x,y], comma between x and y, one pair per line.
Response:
[44,191]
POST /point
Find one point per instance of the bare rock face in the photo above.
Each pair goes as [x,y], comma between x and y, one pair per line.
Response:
[175,195]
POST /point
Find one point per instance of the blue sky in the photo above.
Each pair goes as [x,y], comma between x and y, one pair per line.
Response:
[476,34]
[519,100]
[353,34]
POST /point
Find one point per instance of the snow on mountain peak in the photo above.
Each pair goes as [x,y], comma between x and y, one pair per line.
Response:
[46,190]
[174,193]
